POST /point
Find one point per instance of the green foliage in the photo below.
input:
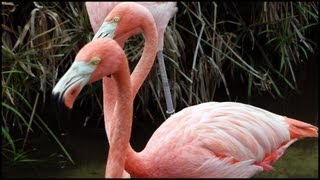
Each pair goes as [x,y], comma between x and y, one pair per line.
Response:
[28,67]
[263,42]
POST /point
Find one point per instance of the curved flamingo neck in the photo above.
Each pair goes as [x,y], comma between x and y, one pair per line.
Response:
[140,72]
[134,164]
[118,149]
[148,56]
[122,117]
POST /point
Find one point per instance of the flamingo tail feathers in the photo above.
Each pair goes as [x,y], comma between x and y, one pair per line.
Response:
[300,129]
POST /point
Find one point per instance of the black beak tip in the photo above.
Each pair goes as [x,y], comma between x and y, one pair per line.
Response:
[55,97]
[62,111]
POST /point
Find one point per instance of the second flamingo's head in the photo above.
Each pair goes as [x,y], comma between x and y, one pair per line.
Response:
[125,20]
[95,60]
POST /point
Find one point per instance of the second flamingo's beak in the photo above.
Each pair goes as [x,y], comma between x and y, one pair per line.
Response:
[107,29]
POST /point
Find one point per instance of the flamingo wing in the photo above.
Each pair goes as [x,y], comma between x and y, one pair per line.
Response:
[218,140]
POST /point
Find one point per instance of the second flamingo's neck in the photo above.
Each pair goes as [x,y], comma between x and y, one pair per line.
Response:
[141,70]
[147,59]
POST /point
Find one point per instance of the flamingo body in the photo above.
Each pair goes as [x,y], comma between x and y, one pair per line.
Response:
[218,139]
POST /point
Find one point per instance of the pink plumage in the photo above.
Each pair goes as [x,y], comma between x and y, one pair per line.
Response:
[216,139]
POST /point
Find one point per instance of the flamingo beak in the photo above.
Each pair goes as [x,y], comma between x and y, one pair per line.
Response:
[107,29]
[72,82]
[69,86]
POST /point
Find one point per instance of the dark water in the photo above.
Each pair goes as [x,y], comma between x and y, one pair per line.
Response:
[88,146]
[87,149]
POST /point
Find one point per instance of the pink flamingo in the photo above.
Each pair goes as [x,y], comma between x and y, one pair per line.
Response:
[214,139]
[162,12]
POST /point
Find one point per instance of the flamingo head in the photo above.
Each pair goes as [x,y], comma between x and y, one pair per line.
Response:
[119,24]
[95,60]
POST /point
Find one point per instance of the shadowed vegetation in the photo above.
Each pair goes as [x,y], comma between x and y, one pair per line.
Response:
[207,48]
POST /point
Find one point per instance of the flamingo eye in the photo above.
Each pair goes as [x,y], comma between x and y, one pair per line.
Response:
[95,60]
[116,19]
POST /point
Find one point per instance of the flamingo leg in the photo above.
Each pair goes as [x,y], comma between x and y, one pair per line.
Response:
[165,83]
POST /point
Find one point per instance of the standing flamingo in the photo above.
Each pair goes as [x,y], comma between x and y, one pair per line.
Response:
[162,12]
[214,139]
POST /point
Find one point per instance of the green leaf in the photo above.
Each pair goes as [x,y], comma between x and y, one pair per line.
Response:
[16,112]
[7,136]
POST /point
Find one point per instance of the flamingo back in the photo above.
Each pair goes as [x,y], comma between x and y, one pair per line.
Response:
[215,139]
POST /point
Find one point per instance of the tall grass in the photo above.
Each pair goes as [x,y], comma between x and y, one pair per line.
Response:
[207,47]
[34,36]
